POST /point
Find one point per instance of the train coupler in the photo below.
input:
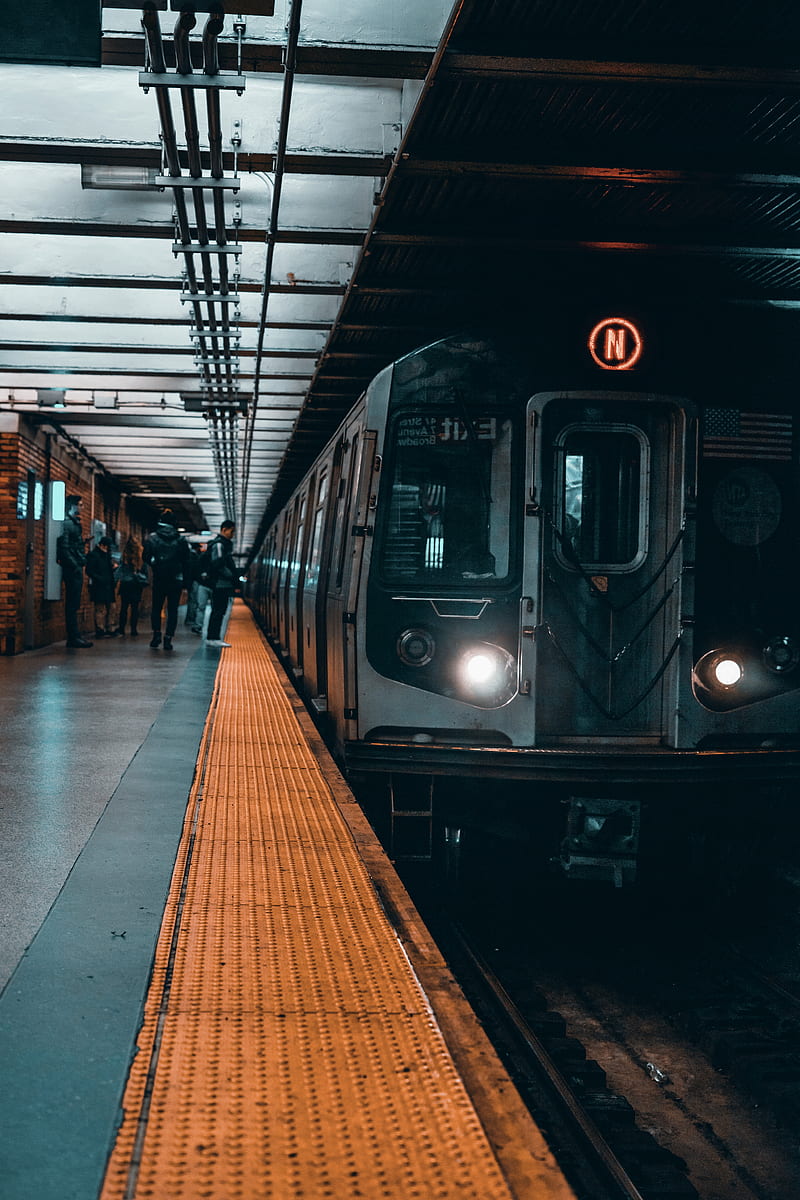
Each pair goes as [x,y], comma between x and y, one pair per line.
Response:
[602,841]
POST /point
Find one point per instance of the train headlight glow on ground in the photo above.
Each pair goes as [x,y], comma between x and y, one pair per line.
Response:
[728,672]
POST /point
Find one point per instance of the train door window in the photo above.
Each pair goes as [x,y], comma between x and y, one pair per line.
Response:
[448,509]
[297,546]
[601,497]
[347,485]
[315,549]
[287,549]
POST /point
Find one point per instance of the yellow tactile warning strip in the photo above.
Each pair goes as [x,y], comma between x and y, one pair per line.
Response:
[287,1048]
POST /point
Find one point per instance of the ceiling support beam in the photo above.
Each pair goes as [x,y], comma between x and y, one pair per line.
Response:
[576,71]
[148,155]
[252,235]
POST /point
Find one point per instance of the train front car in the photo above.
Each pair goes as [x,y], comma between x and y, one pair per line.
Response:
[548,600]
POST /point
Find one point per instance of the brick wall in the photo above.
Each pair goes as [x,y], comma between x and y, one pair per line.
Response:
[24,447]
[9,548]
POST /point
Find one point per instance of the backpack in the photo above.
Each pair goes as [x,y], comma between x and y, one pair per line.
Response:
[166,559]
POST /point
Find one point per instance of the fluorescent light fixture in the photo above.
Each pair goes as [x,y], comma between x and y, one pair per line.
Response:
[51,397]
[57,500]
[138,179]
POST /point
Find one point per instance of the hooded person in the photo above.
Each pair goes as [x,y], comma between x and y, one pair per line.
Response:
[102,588]
[167,554]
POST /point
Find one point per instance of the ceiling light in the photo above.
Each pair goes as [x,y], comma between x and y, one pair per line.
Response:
[127,178]
[51,397]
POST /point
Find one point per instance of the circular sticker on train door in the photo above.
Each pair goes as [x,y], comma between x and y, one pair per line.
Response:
[747,506]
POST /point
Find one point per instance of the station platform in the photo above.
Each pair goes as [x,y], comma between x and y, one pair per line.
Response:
[217,985]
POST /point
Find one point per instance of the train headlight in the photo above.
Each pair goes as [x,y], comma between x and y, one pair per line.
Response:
[487,674]
[416,647]
[480,668]
[727,671]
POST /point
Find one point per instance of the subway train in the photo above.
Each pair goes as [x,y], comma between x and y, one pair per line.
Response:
[545,580]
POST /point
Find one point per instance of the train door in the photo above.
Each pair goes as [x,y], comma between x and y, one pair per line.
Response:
[610,505]
[349,534]
[314,588]
[295,588]
[283,577]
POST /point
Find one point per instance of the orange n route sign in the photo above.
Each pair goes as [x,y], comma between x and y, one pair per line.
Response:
[615,344]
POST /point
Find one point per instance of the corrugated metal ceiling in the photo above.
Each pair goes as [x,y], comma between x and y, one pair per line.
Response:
[638,148]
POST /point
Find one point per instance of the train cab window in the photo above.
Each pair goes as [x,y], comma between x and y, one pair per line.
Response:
[448,500]
[600,500]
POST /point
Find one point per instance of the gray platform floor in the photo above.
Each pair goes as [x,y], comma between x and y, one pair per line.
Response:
[98,755]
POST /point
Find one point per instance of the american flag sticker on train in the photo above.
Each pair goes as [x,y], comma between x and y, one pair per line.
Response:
[729,433]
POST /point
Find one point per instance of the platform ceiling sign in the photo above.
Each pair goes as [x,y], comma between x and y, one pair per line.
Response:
[52,32]
[615,344]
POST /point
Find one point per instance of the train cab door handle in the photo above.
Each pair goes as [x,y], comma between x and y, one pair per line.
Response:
[526,607]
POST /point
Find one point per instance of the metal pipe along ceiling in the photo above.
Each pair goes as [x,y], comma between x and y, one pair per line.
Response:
[289,63]
[212,322]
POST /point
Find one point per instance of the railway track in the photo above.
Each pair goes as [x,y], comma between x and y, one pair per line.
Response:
[566,1091]
[656,1068]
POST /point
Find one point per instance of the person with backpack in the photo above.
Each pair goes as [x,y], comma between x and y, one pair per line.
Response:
[167,554]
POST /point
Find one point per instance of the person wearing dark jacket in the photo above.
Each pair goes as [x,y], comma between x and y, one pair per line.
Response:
[166,552]
[222,576]
[71,556]
[100,571]
[131,578]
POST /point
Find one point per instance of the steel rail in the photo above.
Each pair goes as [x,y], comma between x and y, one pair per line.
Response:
[604,1158]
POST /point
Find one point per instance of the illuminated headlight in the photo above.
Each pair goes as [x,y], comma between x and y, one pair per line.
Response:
[416,647]
[480,668]
[727,672]
[488,673]
[781,654]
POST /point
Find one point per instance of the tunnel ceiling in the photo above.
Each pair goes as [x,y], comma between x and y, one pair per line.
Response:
[211,242]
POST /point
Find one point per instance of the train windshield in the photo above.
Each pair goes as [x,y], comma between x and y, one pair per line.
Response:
[447,513]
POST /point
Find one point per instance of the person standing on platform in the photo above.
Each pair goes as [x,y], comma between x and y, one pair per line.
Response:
[71,556]
[203,594]
[192,582]
[100,570]
[222,575]
[131,578]
[166,552]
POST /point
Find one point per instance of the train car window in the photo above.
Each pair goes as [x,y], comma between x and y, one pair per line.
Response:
[599,483]
[294,567]
[315,549]
[285,547]
[449,499]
